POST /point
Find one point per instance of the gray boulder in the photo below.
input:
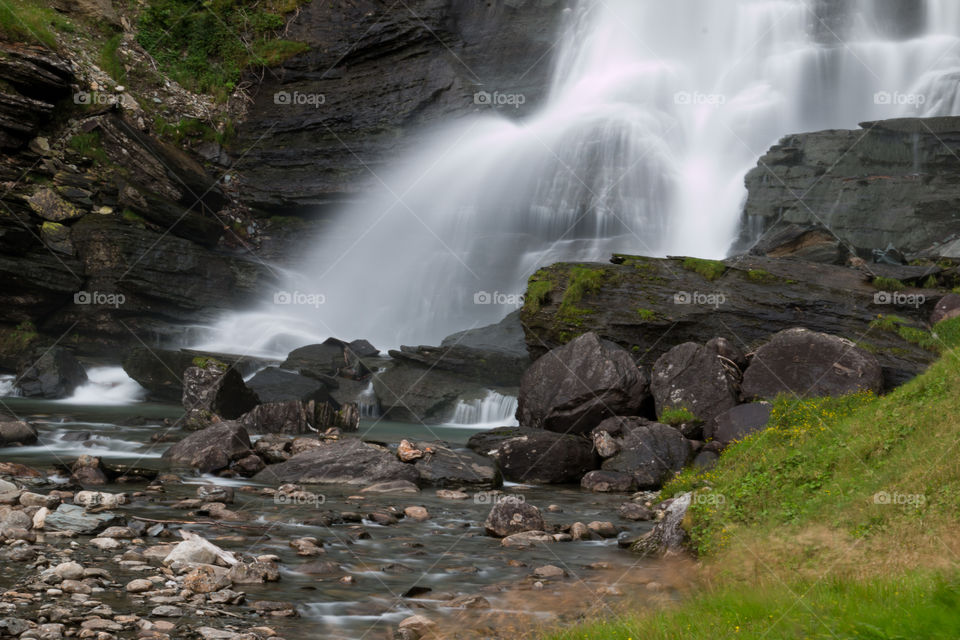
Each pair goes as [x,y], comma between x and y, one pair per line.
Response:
[296,417]
[16,432]
[695,377]
[218,390]
[274,385]
[511,515]
[211,449]
[70,517]
[738,422]
[50,373]
[947,307]
[650,452]
[348,462]
[442,466]
[534,455]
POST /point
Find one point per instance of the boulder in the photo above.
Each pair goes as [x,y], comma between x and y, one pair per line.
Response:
[195,549]
[50,373]
[70,517]
[810,364]
[411,392]
[573,388]
[534,455]
[649,451]
[274,385]
[668,536]
[601,481]
[947,307]
[442,466]
[738,422]
[694,377]
[211,449]
[511,515]
[332,358]
[16,432]
[349,462]
[218,390]
[296,417]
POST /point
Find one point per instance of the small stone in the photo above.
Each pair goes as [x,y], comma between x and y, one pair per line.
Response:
[167,611]
[420,625]
[417,513]
[407,452]
[69,570]
[579,531]
[105,544]
[549,571]
[604,529]
[139,585]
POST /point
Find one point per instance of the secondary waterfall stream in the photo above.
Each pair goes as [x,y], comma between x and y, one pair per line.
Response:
[655,112]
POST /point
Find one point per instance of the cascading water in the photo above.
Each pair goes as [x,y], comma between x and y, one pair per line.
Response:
[656,111]
[492,410]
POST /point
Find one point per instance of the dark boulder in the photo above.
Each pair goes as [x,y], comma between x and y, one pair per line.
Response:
[810,364]
[331,358]
[511,515]
[600,481]
[348,462]
[50,373]
[274,385]
[947,307]
[534,455]
[442,466]
[16,432]
[159,371]
[296,417]
[738,422]
[218,390]
[411,392]
[211,449]
[697,378]
[573,388]
[649,451]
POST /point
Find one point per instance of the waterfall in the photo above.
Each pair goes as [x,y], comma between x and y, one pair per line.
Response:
[656,110]
[492,410]
[368,404]
[107,385]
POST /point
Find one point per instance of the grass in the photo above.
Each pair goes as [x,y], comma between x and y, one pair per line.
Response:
[583,280]
[761,275]
[538,291]
[901,327]
[647,315]
[850,502]
[888,284]
[110,60]
[676,416]
[88,145]
[708,269]
[25,21]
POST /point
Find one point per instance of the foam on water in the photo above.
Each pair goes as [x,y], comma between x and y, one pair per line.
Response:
[107,386]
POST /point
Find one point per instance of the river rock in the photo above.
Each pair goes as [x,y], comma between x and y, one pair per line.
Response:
[194,549]
[71,517]
[16,432]
[649,451]
[511,515]
[70,570]
[573,388]
[393,486]
[139,585]
[274,385]
[50,373]
[442,466]
[634,511]
[211,449]
[298,417]
[527,540]
[810,364]
[253,572]
[549,571]
[947,307]
[87,470]
[535,455]
[350,462]
[738,422]
[601,481]
[206,579]
[217,389]
[668,536]
[694,377]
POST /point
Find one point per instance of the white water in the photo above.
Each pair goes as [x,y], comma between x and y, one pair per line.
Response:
[656,111]
[107,386]
[7,389]
[493,410]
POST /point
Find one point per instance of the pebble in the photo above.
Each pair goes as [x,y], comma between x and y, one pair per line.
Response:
[139,585]
[549,571]
[105,544]
[417,513]
[167,611]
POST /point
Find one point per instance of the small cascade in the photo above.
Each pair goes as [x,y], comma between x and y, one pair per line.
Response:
[7,390]
[107,386]
[368,404]
[494,409]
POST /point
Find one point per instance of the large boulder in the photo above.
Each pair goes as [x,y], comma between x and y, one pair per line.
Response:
[71,517]
[274,385]
[212,448]
[649,451]
[412,392]
[573,388]
[296,417]
[217,389]
[331,358]
[534,455]
[16,432]
[348,462]
[810,364]
[738,422]
[442,466]
[512,515]
[697,378]
[50,373]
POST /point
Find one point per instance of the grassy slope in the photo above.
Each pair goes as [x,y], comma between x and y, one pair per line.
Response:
[840,521]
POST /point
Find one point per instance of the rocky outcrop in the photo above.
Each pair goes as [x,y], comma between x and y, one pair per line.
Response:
[649,305]
[890,182]
[217,389]
[410,392]
[348,462]
[50,373]
[160,371]
[536,456]
[273,385]
[297,417]
[573,388]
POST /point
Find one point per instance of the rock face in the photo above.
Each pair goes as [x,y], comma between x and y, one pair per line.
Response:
[748,299]
[219,391]
[510,515]
[160,371]
[50,373]
[809,364]
[442,466]
[573,388]
[383,73]
[896,187]
[696,378]
[947,307]
[738,422]
[211,449]
[536,456]
[650,452]
[349,462]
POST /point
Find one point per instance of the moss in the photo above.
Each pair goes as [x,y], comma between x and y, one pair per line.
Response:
[760,275]
[89,146]
[538,291]
[708,269]
[110,59]
[677,416]
[26,21]
[931,282]
[888,284]
[133,216]
[582,280]
[205,362]
[647,315]
[901,327]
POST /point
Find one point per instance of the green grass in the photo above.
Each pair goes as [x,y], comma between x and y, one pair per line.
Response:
[676,416]
[88,145]
[110,60]
[25,21]
[761,275]
[582,280]
[888,284]
[647,315]
[902,328]
[709,269]
[919,605]
[537,293]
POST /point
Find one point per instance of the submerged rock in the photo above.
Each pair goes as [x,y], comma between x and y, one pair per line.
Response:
[69,517]
[442,466]
[511,515]
[16,432]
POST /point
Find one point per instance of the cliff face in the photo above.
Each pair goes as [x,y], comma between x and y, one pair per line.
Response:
[376,72]
[891,182]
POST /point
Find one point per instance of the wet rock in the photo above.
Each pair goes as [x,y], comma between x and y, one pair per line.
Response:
[218,389]
[573,388]
[407,452]
[810,364]
[106,544]
[273,448]
[526,540]
[323,568]
[16,432]
[206,579]
[167,611]
[215,493]
[382,518]
[396,486]
[349,462]
[70,570]
[510,515]
[549,571]
[17,470]
[947,307]
[212,633]
[634,511]
[452,494]
[535,455]
[420,514]
[580,531]
[211,449]
[604,443]
[420,626]
[140,585]
[50,373]
[87,470]
[196,550]
[604,529]
[600,481]
[306,547]
[69,517]
[738,422]
[694,377]
[253,573]
[668,536]
[649,451]
[13,627]
[443,466]
[275,386]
